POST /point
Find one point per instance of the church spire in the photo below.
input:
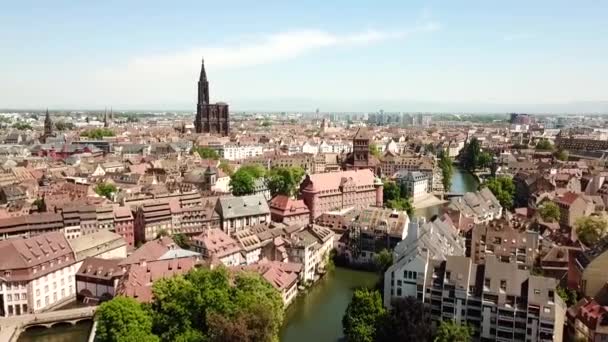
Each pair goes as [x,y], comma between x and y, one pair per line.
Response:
[203,72]
[105,118]
[48,124]
[203,86]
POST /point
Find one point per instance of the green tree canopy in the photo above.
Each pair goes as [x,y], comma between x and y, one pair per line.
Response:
[447,169]
[503,188]
[383,260]
[404,204]
[255,170]
[549,212]
[391,191]
[97,133]
[226,167]
[242,183]
[64,126]
[484,160]
[284,180]
[22,126]
[470,154]
[562,155]
[363,316]
[214,304]
[207,153]
[569,296]
[544,145]
[105,190]
[449,331]
[123,319]
[181,240]
[407,320]
[591,229]
[374,150]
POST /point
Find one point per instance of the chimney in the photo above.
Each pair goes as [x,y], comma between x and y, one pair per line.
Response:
[142,262]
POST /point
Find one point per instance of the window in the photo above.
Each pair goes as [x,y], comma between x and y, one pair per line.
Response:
[37,292]
[46,288]
[23,296]
[503,285]
[486,282]
[9,297]
[536,291]
[38,304]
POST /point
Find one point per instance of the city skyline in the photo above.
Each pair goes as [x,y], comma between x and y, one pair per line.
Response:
[427,57]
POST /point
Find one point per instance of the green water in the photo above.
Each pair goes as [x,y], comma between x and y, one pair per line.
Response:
[317,316]
[462,181]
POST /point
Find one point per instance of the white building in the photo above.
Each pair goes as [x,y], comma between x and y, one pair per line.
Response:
[310,247]
[214,244]
[415,183]
[238,152]
[424,242]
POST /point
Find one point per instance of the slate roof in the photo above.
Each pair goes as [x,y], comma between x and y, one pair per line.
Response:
[243,206]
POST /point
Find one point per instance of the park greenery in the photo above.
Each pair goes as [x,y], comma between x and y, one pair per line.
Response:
[447,168]
[22,126]
[366,319]
[503,189]
[226,167]
[544,145]
[97,133]
[395,197]
[242,182]
[202,306]
[374,150]
[549,212]
[449,331]
[105,190]
[64,126]
[591,229]
[181,240]
[207,153]
[383,260]
[284,180]
[473,158]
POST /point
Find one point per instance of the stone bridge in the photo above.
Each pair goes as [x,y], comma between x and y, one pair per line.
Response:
[11,327]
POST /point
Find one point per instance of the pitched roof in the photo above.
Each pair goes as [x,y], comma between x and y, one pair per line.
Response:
[232,207]
[332,180]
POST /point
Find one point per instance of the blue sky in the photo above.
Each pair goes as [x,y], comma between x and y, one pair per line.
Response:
[285,55]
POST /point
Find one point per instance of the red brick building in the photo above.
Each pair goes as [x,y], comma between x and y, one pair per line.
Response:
[286,210]
[336,190]
[124,224]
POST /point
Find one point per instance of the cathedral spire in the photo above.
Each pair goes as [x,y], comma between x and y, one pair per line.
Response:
[203,86]
[105,118]
[48,124]
[203,72]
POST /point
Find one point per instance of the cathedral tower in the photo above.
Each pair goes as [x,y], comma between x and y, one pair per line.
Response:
[210,118]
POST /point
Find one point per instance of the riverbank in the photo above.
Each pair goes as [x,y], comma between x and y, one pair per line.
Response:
[428,201]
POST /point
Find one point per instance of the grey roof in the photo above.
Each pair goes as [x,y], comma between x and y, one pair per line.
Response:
[233,207]
[478,203]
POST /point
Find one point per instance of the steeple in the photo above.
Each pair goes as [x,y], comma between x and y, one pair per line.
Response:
[105,118]
[203,86]
[111,114]
[48,124]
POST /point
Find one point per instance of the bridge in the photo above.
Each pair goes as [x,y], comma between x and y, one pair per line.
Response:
[449,195]
[11,327]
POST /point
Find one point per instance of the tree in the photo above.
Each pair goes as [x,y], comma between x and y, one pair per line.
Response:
[470,154]
[363,315]
[447,169]
[255,170]
[484,160]
[504,190]
[569,296]
[106,190]
[216,305]
[207,153]
[407,320]
[544,145]
[181,240]
[226,167]
[242,183]
[284,180]
[64,126]
[22,126]
[98,133]
[123,319]
[449,331]
[430,147]
[374,150]
[562,155]
[391,191]
[591,229]
[40,204]
[266,123]
[404,204]
[549,212]
[383,260]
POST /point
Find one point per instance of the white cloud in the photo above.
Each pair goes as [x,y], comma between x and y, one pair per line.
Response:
[264,50]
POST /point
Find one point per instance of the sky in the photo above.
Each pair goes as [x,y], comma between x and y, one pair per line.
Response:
[341,55]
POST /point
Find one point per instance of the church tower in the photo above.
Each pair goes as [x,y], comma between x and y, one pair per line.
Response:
[48,124]
[361,148]
[105,119]
[210,118]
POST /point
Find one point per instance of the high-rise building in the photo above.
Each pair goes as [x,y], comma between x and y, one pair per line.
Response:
[210,118]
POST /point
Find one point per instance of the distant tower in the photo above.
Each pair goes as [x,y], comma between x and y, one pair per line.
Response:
[361,149]
[111,114]
[48,125]
[105,119]
[210,118]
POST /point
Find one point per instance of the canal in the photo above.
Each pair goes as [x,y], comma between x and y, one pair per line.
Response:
[315,316]
[462,181]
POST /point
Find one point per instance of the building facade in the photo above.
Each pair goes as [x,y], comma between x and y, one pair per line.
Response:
[210,118]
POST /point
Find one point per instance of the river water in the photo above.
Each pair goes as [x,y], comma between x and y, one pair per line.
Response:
[313,317]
